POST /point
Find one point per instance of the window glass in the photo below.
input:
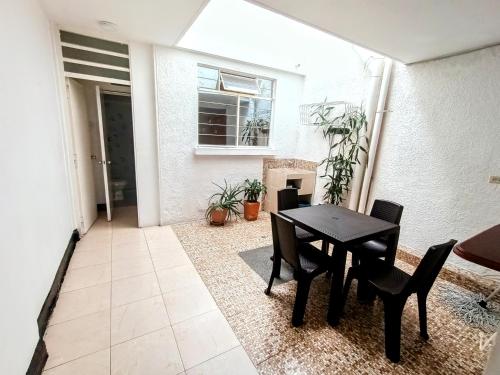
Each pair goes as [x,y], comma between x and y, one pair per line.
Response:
[208,78]
[217,119]
[254,121]
[266,88]
[241,84]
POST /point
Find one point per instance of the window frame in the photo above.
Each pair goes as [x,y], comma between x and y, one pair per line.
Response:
[238,96]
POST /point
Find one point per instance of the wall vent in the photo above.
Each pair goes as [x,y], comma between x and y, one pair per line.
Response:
[94,59]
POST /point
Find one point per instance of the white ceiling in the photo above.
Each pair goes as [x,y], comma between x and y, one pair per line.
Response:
[408,31]
[152,21]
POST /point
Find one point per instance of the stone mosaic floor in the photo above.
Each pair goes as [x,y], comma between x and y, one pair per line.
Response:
[262,323]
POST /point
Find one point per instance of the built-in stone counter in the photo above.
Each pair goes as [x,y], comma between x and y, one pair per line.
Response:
[280,173]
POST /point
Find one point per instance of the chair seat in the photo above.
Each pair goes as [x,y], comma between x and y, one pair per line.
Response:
[312,260]
[386,278]
[375,248]
[305,236]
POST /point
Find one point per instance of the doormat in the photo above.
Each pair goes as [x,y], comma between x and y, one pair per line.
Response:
[259,261]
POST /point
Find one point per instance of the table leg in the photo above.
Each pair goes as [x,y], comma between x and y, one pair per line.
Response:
[484,302]
[335,304]
[392,247]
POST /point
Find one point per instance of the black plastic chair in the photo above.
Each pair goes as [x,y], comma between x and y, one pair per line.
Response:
[394,286]
[288,199]
[306,260]
[381,247]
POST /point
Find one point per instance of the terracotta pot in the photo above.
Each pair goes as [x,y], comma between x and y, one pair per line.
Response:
[251,210]
[218,217]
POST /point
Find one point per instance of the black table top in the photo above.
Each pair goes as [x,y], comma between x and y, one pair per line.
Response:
[339,224]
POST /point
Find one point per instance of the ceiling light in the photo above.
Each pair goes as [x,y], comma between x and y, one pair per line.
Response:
[107,25]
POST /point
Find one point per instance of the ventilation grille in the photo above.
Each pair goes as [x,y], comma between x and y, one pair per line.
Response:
[95,59]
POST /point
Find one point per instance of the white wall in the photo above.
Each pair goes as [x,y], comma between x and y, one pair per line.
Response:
[186,178]
[145,133]
[35,218]
[438,147]
[334,69]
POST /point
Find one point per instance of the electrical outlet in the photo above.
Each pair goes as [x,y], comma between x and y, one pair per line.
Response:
[495,179]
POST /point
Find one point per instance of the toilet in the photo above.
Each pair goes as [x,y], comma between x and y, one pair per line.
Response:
[118,186]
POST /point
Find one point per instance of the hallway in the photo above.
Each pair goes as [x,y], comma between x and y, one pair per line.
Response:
[132,303]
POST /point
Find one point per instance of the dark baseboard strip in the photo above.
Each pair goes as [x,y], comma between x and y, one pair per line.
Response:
[50,301]
[40,356]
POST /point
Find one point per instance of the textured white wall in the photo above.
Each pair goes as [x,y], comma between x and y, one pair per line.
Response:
[145,133]
[185,178]
[36,216]
[439,145]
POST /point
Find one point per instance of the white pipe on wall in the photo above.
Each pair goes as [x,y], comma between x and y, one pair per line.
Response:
[377,126]
[374,69]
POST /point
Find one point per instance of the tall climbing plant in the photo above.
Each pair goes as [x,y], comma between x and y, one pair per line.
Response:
[346,137]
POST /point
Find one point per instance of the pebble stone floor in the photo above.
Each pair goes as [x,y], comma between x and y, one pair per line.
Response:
[132,303]
[262,323]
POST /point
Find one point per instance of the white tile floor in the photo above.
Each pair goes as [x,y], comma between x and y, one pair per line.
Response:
[132,303]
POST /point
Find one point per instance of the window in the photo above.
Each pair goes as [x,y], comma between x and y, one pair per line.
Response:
[233,109]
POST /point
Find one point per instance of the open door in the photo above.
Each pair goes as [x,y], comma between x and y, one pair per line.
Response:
[82,154]
[105,160]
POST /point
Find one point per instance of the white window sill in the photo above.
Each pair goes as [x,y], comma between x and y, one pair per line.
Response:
[242,151]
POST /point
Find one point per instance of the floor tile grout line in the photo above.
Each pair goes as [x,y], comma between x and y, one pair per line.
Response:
[86,287]
[79,317]
[77,358]
[136,301]
[166,311]
[218,355]
[194,316]
[141,335]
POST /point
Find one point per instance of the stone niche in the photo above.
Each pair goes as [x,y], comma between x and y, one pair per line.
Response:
[281,173]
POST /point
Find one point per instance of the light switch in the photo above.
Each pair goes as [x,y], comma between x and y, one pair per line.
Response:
[495,179]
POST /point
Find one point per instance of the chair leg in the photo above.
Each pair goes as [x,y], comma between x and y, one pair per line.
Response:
[299,307]
[355,260]
[268,289]
[422,315]
[393,310]
[275,273]
[325,246]
[364,293]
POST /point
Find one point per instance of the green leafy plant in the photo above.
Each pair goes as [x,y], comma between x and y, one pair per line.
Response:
[252,130]
[227,198]
[346,137]
[254,189]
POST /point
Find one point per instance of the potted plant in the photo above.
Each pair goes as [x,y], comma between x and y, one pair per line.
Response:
[346,135]
[253,191]
[224,205]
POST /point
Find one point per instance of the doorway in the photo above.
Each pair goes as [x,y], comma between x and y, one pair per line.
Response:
[117,115]
[103,147]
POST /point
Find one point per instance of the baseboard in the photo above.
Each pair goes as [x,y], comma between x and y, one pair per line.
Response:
[50,301]
[39,358]
[40,355]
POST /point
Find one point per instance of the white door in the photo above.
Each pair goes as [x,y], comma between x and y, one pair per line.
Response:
[105,160]
[82,154]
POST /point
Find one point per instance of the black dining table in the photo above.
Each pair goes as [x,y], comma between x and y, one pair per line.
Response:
[343,228]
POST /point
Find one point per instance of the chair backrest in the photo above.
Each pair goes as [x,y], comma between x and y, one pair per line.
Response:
[387,210]
[429,267]
[284,233]
[287,199]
